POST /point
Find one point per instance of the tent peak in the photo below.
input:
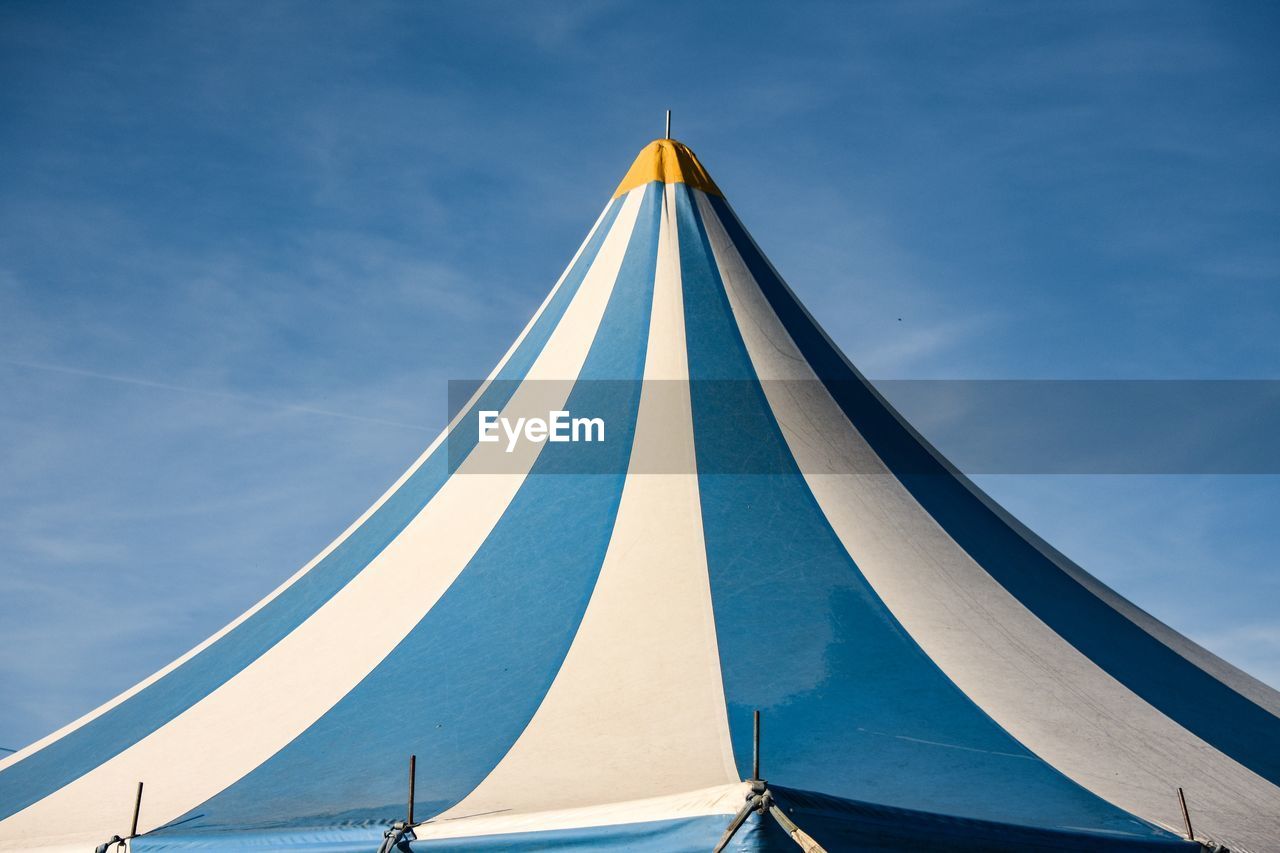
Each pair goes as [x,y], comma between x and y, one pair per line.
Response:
[668,161]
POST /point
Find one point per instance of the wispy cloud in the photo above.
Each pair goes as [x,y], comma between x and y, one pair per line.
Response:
[165,386]
[1254,646]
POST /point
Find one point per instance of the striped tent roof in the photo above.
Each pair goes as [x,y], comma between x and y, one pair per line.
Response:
[571,637]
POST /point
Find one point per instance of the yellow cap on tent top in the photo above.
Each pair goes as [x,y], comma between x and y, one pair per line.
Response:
[670,162]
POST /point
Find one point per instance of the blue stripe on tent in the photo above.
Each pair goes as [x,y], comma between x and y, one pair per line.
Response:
[852,706]
[1169,682]
[695,835]
[73,755]
[847,825]
[462,686]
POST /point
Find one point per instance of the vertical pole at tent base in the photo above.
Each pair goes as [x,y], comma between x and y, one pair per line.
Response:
[1186,815]
[668,124]
[413,778]
[402,830]
[137,809]
[117,841]
[755,747]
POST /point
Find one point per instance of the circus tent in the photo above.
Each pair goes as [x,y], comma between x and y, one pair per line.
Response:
[572,637]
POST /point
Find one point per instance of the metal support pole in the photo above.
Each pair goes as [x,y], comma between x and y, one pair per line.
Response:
[755,748]
[668,124]
[1186,815]
[734,825]
[413,778]
[137,809]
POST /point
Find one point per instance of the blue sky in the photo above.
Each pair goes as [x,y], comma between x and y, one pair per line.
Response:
[243,247]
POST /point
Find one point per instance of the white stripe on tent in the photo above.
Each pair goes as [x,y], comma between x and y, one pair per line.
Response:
[718,800]
[107,706]
[1048,695]
[269,703]
[637,709]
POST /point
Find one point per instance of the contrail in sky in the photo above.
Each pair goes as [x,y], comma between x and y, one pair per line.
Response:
[224,395]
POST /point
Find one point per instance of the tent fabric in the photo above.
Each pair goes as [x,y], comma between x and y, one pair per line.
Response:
[668,162]
[571,638]
[689,820]
[650,837]
[848,825]
[843,825]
